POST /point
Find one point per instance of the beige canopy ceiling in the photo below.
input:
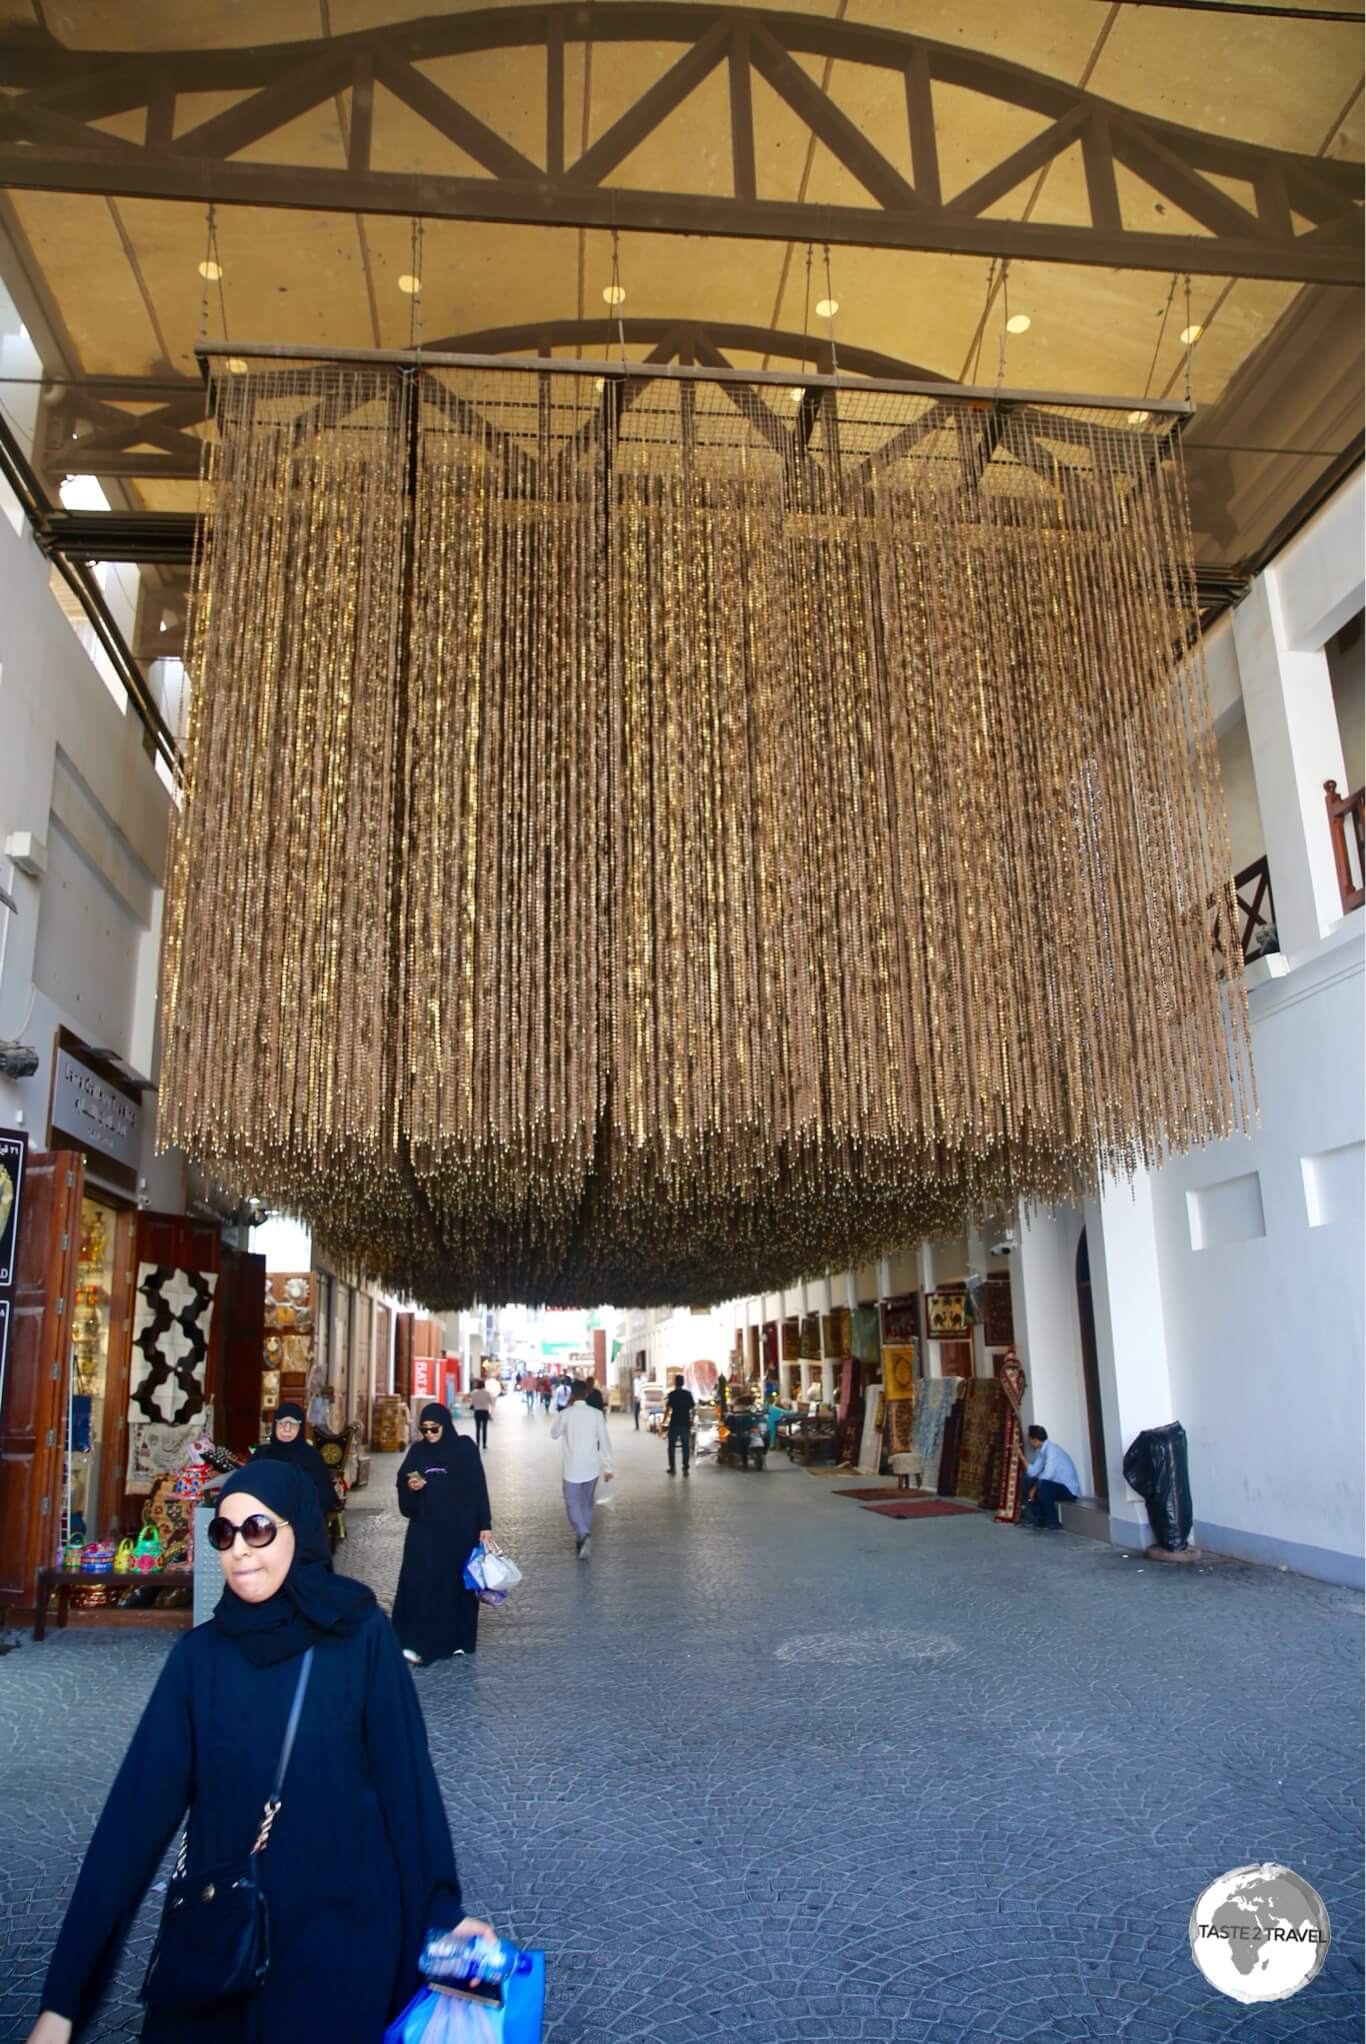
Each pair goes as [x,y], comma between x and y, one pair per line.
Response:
[109,279]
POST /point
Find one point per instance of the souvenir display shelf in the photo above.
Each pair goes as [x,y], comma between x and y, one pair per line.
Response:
[290,1349]
[85,1415]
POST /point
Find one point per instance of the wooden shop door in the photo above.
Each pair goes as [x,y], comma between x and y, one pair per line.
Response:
[241,1353]
[33,1418]
[174,1242]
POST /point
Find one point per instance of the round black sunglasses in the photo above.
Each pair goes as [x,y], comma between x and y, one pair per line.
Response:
[258,1530]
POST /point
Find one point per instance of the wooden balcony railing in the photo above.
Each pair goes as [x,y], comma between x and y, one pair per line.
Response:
[1348,831]
[1247,907]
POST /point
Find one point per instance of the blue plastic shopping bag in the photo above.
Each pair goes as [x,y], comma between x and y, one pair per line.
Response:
[478,1993]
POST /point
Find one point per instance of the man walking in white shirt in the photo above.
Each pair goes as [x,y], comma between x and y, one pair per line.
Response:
[585,1457]
[1050,1474]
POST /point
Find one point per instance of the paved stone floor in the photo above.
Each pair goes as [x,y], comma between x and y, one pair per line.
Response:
[772,1768]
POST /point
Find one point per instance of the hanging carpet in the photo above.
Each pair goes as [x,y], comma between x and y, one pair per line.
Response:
[979,1446]
[171,1325]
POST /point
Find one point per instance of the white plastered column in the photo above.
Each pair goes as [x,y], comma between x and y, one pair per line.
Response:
[1131,1336]
[1292,730]
[1043,1294]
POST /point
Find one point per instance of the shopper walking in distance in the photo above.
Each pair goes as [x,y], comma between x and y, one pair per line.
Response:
[586,1456]
[637,1395]
[443,1496]
[358,1863]
[481,1405]
[678,1411]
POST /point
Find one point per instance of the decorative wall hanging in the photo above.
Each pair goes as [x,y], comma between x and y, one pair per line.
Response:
[172,1321]
[548,982]
[946,1314]
[153,1450]
[898,1370]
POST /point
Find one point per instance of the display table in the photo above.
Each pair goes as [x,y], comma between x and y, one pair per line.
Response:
[65,1580]
[811,1438]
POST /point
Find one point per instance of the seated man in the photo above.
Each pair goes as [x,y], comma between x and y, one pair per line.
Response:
[1050,1474]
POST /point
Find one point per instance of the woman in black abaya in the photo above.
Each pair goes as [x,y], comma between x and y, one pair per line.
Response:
[443,1496]
[359,1865]
[288,1443]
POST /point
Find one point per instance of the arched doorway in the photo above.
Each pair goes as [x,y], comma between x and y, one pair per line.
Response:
[1090,1367]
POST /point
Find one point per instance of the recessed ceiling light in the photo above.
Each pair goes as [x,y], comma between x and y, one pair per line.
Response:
[237,365]
[211,271]
[1191,334]
[1138,418]
[1018,323]
[410,284]
[614,295]
[826,308]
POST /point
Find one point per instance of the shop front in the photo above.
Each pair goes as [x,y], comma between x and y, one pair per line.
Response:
[134,1336]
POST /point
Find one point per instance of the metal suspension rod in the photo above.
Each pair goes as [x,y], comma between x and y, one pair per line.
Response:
[672,372]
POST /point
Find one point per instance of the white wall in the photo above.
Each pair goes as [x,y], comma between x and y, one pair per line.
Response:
[1247,839]
[1043,1292]
[1264,1334]
[1348,670]
[82,949]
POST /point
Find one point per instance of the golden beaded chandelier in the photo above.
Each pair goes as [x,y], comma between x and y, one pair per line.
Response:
[650,838]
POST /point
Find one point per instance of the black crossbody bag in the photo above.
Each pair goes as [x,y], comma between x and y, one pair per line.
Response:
[214,1941]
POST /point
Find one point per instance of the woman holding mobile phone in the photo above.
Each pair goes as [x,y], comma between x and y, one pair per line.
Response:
[445,1499]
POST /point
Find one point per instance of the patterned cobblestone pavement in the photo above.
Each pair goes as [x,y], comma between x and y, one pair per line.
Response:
[772,1768]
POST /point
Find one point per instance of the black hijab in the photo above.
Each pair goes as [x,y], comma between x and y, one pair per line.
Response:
[299,1454]
[285,1450]
[311,1601]
[455,1491]
[446,1451]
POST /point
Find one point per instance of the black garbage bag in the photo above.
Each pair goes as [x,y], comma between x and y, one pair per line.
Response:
[1156,1465]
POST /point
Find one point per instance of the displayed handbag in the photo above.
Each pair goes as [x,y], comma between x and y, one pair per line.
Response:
[213,1944]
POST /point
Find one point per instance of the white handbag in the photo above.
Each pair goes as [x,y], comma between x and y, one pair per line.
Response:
[500,1570]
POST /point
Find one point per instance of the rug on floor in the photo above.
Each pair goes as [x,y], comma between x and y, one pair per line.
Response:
[882,1490]
[922,1508]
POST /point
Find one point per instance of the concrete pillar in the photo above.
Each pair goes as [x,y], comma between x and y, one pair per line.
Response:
[978,1261]
[1131,1335]
[929,1350]
[1292,730]
[1043,1293]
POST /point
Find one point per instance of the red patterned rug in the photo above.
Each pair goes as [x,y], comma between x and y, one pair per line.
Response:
[922,1508]
[883,1490]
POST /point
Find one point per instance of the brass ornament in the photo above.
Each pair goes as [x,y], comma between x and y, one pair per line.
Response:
[639,847]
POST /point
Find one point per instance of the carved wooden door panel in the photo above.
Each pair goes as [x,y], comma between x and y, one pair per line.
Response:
[33,1418]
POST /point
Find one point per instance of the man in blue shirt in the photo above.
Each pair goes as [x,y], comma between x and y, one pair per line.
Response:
[1050,1474]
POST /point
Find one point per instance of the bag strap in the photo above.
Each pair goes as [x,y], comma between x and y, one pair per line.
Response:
[275,1797]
